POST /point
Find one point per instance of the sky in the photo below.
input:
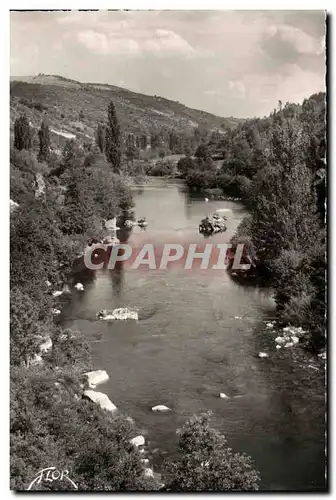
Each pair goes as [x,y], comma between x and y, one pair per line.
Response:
[230,63]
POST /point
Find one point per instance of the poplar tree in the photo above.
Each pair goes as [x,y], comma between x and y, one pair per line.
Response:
[22,133]
[113,139]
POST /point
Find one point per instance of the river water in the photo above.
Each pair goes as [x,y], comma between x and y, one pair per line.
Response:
[199,334]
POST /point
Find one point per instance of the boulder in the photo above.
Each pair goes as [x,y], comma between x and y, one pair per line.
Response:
[100,399]
[161,408]
[262,355]
[149,472]
[222,395]
[57,293]
[13,205]
[96,377]
[46,345]
[212,224]
[79,287]
[56,312]
[120,314]
[36,360]
[138,441]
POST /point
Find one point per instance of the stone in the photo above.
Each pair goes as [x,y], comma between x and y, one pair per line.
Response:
[46,345]
[96,377]
[79,287]
[120,314]
[13,205]
[100,399]
[56,312]
[138,441]
[222,395]
[262,355]
[269,325]
[161,408]
[280,340]
[57,293]
[149,472]
[278,346]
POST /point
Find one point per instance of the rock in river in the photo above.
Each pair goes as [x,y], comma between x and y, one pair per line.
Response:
[96,377]
[101,399]
[161,408]
[138,441]
[222,395]
[262,355]
[121,314]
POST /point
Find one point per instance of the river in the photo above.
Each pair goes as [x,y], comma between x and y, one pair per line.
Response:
[199,335]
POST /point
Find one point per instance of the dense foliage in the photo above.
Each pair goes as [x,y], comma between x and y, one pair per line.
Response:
[205,462]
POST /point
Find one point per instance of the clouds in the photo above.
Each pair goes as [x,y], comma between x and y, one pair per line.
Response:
[158,42]
[227,62]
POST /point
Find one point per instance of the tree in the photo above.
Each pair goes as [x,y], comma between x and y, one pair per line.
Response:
[100,137]
[22,133]
[25,328]
[113,139]
[205,462]
[44,139]
[202,152]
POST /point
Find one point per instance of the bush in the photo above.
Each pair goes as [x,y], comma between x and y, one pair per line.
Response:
[205,462]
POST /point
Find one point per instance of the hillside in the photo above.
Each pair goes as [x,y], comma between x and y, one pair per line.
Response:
[75,108]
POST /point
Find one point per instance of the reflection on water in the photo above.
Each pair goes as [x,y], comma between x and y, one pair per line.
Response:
[198,335]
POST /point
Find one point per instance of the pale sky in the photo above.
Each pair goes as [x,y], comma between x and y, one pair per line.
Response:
[231,63]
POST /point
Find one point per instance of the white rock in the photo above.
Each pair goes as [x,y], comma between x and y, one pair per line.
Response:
[36,360]
[289,344]
[295,339]
[96,377]
[48,283]
[238,317]
[206,199]
[120,314]
[262,355]
[79,287]
[101,399]
[222,395]
[57,293]
[269,325]
[280,340]
[13,205]
[148,472]
[278,346]
[138,441]
[161,408]
[56,312]
[46,345]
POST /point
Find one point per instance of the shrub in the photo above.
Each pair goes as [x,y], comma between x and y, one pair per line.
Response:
[205,462]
